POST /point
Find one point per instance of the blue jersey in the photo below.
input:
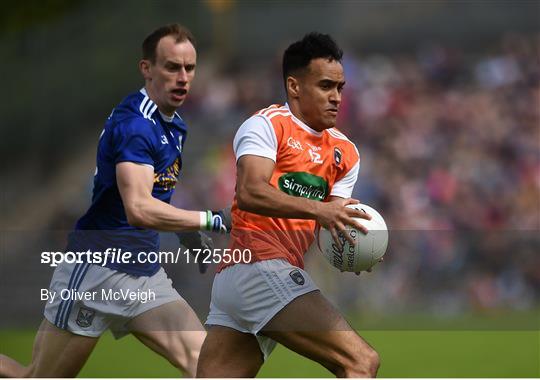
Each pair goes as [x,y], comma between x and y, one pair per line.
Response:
[134,132]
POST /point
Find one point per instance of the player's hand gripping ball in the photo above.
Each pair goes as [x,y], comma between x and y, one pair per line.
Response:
[368,249]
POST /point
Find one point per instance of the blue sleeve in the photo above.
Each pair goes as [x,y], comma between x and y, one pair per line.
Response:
[134,141]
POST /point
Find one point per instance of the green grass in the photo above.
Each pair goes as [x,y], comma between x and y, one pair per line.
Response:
[433,354]
[403,354]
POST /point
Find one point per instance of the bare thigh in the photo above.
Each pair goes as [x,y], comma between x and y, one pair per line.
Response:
[229,353]
[58,353]
[312,327]
[174,331]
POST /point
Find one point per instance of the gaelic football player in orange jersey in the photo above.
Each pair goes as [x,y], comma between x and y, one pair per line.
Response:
[294,169]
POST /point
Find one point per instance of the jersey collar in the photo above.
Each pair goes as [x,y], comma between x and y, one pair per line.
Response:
[147,107]
[176,120]
[303,125]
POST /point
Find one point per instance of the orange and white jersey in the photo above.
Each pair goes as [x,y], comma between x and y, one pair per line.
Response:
[309,164]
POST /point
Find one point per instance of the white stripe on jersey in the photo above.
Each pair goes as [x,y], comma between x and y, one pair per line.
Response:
[149,105]
[143,103]
[270,115]
[263,112]
[149,115]
[338,135]
[147,108]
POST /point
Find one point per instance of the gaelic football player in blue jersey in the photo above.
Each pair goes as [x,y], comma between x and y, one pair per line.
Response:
[138,162]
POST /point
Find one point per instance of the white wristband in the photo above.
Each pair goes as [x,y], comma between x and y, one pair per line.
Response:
[203,220]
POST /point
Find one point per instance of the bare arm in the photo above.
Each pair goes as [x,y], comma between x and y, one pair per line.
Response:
[135,184]
[255,194]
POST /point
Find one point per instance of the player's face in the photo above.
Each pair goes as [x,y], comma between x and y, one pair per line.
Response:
[319,93]
[168,80]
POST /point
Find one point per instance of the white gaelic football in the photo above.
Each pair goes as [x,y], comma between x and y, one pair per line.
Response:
[368,248]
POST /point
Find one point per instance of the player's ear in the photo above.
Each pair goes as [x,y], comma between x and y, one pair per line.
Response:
[292,87]
[144,68]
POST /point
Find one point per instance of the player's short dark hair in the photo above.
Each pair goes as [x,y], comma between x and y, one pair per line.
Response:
[179,32]
[314,45]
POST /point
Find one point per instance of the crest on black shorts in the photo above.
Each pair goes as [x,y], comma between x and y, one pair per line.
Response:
[297,277]
[85,317]
[337,156]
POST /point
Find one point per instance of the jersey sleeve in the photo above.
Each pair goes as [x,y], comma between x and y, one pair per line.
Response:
[133,142]
[344,187]
[256,136]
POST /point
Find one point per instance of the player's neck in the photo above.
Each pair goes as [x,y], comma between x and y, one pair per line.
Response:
[168,114]
[295,110]
[166,118]
[163,110]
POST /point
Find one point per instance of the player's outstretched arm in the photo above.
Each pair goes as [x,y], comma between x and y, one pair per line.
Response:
[135,184]
[255,194]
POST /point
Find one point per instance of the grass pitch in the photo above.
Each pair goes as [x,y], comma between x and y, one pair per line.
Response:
[403,354]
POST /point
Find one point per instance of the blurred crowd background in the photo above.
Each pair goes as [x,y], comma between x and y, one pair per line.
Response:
[442,100]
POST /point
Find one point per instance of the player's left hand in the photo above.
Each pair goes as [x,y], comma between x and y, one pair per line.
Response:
[219,221]
[196,240]
[226,217]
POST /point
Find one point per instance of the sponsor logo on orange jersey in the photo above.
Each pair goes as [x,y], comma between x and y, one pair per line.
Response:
[302,184]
